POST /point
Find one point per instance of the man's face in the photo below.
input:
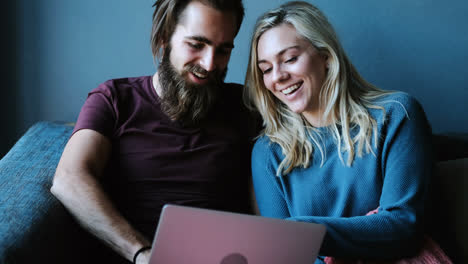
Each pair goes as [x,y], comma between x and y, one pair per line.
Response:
[195,61]
[204,37]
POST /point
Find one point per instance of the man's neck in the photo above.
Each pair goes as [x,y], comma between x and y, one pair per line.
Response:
[157,85]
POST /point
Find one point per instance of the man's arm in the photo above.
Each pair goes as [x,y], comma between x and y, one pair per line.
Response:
[76,184]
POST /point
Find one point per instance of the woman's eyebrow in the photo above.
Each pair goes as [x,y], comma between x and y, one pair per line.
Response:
[280,53]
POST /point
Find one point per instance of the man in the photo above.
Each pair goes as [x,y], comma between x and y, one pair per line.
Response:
[180,136]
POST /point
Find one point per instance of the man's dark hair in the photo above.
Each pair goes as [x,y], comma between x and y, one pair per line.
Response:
[167,14]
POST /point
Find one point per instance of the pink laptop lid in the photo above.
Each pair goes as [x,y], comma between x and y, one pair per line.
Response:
[201,236]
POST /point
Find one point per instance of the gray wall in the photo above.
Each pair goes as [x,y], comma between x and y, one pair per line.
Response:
[58,50]
[8,113]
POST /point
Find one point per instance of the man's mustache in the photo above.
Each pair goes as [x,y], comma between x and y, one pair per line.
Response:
[196,68]
[214,75]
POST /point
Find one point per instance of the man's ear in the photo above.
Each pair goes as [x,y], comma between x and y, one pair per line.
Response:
[162,48]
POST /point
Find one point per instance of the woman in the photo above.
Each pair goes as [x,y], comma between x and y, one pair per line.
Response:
[334,147]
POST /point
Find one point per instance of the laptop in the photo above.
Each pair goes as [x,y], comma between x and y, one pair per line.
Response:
[188,235]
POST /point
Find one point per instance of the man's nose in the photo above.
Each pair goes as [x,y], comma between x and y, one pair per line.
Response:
[207,60]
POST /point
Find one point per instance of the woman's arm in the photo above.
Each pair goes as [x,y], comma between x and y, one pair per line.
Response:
[406,170]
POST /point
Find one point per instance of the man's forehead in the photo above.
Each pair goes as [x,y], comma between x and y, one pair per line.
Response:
[196,8]
[202,21]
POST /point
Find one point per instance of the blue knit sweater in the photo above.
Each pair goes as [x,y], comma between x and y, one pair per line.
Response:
[395,179]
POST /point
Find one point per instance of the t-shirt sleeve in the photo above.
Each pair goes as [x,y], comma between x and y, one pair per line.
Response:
[98,112]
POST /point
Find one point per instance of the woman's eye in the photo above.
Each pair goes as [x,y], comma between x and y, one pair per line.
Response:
[266,71]
[293,59]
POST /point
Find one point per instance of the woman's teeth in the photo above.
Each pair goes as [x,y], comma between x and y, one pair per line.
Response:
[290,89]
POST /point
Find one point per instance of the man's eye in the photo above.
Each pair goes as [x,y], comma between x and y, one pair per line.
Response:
[195,45]
[224,51]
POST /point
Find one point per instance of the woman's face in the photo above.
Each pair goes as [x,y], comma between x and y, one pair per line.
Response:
[293,69]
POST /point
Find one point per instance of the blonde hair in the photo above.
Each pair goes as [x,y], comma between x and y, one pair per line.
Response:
[344,97]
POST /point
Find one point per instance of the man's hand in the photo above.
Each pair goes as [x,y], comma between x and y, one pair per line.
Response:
[143,257]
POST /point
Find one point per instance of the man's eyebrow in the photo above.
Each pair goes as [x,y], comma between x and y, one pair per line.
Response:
[280,53]
[209,42]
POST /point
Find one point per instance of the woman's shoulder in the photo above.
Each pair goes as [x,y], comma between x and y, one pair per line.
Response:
[400,109]
[264,146]
[395,99]
[266,156]
[399,104]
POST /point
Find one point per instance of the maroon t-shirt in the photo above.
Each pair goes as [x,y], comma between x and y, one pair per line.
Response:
[156,161]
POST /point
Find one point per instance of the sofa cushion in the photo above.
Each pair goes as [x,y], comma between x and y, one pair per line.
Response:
[449,208]
[26,207]
[450,146]
[34,226]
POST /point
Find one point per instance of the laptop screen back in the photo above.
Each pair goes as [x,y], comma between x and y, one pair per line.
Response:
[201,236]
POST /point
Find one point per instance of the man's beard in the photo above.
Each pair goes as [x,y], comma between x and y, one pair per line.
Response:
[183,101]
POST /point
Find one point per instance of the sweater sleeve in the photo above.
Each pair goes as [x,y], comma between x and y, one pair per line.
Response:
[268,191]
[406,164]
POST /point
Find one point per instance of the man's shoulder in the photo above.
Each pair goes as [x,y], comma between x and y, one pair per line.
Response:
[233,89]
[231,97]
[124,87]
[234,85]
[230,106]
[122,83]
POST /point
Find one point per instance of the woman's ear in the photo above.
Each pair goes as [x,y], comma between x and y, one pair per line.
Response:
[325,58]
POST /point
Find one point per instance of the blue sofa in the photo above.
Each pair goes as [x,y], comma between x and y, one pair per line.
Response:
[36,228]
